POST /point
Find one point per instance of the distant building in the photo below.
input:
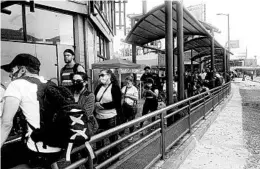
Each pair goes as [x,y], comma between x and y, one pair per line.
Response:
[250,62]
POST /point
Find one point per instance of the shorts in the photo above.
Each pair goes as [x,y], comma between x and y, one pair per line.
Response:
[17,153]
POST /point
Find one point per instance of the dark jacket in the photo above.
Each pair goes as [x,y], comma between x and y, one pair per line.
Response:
[87,100]
[116,96]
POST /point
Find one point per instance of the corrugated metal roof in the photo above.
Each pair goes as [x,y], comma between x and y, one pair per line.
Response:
[151,26]
[200,44]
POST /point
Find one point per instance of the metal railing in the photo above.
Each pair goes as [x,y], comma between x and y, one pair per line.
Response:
[161,135]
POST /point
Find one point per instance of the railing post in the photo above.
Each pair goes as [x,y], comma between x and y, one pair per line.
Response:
[204,104]
[227,91]
[222,93]
[212,101]
[189,117]
[218,96]
[163,134]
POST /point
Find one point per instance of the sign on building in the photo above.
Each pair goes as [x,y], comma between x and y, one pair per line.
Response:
[199,11]
[250,62]
[234,43]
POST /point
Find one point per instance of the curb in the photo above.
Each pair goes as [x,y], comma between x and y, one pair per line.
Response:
[178,153]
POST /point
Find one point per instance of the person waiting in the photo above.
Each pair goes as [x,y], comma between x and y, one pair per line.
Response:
[129,99]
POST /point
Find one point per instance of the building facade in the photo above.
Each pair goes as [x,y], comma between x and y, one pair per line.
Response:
[46,28]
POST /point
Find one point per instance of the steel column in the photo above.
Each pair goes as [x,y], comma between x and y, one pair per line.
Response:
[134,53]
[179,8]
[228,58]
[144,5]
[173,60]
[169,51]
[225,64]
[191,64]
[212,59]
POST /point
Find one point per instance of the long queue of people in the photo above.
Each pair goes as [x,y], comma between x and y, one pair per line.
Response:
[109,105]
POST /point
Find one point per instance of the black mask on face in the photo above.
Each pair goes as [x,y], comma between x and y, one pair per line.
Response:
[78,85]
[14,75]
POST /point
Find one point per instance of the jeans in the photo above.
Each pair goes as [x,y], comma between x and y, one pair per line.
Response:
[105,124]
[129,113]
[149,105]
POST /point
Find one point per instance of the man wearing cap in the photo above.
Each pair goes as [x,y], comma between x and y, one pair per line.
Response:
[22,93]
[147,74]
[70,67]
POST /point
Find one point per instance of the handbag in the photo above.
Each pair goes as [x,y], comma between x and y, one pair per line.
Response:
[128,106]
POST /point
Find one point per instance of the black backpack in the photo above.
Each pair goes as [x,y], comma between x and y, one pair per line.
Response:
[62,121]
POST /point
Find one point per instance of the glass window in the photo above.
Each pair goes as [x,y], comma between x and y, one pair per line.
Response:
[49,27]
[12,25]
[98,46]
[101,46]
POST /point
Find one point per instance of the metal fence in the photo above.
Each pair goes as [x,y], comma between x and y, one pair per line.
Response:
[157,137]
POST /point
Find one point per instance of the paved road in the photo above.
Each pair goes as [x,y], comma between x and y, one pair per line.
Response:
[233,140]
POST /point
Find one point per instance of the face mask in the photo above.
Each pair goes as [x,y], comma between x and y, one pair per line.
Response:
[128,84]
[103,81]
[14,75]
[78,86]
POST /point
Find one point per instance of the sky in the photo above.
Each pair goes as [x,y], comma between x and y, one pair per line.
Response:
[244,21]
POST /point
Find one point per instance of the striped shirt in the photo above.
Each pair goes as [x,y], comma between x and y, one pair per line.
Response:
[65,74]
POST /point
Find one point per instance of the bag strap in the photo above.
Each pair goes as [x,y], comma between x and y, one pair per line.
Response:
[135,101]
[104,92]
[125,92]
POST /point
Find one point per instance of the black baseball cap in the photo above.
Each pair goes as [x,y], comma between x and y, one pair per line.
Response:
[147,67]
[23,59]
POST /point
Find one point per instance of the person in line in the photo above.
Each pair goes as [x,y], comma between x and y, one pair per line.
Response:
[86,99]
[151,98]
[70,67]
[129,99]
[147,74]
[22,93]
[108,104]
[82,95]
[156,79]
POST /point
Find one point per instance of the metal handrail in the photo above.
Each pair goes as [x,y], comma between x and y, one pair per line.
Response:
[186,104]
[225,89]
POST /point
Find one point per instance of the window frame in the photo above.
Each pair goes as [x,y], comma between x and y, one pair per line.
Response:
[24,26]
[101,52]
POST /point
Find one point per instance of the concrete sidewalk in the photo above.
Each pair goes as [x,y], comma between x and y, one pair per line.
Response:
[222,145]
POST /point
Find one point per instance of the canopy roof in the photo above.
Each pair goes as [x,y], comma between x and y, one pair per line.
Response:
[217,58]
[151,26]
[200,44]
[207,52]
[115,63]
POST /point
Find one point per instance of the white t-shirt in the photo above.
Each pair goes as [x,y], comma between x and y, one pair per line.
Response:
[107,97]
[2,92]
[132,91]
[26,92]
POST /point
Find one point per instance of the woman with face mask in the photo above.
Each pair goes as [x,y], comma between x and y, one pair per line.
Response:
[86,99]
[107,104]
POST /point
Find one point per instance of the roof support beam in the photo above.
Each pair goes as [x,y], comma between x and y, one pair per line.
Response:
[212,60]
[169,51]
[180,47]
[224,64]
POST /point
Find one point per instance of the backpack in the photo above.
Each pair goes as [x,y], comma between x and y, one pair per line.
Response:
[62,121]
